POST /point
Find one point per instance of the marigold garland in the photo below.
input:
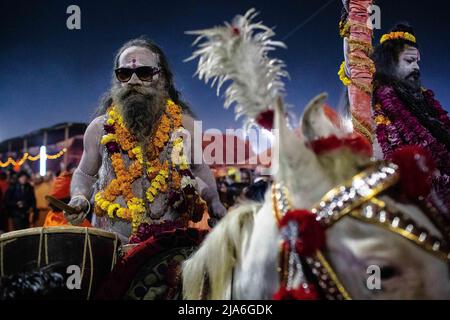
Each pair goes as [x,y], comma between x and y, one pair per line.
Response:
[398,35]
[117,138]
[342,76]
[178,156]
[118,141]
[344,29]
[380,119]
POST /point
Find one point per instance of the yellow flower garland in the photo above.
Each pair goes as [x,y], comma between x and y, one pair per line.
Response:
[345,80]
[178,156]
[398,35]
[344,29]
[158,173]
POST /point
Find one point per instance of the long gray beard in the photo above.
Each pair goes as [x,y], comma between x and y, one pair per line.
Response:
[410,91]
[141,109]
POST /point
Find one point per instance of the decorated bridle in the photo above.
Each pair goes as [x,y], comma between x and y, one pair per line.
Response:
[359,198]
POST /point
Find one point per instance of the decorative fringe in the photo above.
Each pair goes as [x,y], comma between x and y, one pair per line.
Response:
[416,170]
[309,293]
[239,52]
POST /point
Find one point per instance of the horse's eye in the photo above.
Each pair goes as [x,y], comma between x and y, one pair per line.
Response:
[388,272]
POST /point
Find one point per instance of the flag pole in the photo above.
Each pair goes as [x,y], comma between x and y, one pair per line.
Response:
[356,29]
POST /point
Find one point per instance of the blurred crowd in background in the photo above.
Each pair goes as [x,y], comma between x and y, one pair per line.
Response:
[23,202]
[241,184]
[22,197]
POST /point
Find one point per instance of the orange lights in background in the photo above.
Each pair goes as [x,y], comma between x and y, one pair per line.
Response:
[27,157]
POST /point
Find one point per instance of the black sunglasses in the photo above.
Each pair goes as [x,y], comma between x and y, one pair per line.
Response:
[143,73]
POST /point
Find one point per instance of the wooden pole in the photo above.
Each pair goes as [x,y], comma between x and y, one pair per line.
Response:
[360,65]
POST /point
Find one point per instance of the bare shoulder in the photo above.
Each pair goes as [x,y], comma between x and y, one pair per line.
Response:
[94,133]
[188,122]
[95,128]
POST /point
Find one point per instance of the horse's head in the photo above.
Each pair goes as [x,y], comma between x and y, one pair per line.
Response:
[373,262]
[309,164]
[381,241]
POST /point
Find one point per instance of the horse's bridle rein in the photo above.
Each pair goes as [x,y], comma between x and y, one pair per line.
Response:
[358,198]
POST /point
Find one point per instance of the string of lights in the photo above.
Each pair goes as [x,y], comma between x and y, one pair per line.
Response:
[26,156]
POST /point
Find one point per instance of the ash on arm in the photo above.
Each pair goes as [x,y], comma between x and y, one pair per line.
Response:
[208,189]
[85,175]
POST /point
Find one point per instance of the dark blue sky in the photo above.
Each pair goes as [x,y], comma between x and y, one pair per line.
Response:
[50,74]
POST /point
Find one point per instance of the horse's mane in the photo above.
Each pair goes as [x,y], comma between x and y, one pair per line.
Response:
[214,261]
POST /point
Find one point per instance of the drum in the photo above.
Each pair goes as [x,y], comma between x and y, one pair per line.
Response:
[86,253]
[151,269]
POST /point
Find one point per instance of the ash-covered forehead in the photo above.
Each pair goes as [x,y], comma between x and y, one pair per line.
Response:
[134,57]
[410,52]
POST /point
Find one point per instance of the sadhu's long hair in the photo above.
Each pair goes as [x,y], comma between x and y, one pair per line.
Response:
[144,42]
[386,57]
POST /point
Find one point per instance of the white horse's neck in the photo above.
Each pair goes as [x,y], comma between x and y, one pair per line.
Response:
[256,276]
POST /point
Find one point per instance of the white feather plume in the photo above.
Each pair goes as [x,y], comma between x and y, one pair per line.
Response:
[239,52]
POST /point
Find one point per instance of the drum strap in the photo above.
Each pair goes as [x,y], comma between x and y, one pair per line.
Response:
[2,268]
[41,233]
[46,248]
[87,245]
[114,259]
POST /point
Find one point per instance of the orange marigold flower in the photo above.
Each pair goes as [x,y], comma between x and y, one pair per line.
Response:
[126,175]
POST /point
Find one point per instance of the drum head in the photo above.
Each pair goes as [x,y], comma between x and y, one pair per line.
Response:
[83,256]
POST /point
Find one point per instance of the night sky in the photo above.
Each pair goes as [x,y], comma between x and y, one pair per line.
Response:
[50,74]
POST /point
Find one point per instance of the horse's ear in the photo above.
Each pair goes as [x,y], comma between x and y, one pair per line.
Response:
[280,124]
[296,165]
[289,148]
[317,123]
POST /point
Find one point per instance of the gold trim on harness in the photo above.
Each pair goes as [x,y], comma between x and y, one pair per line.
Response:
[357,198]
[380,214]
[344,198]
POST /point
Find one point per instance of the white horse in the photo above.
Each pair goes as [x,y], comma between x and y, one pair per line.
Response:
[240,258]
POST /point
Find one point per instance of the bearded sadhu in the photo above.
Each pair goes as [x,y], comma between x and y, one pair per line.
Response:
[136,169]
[404,112]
